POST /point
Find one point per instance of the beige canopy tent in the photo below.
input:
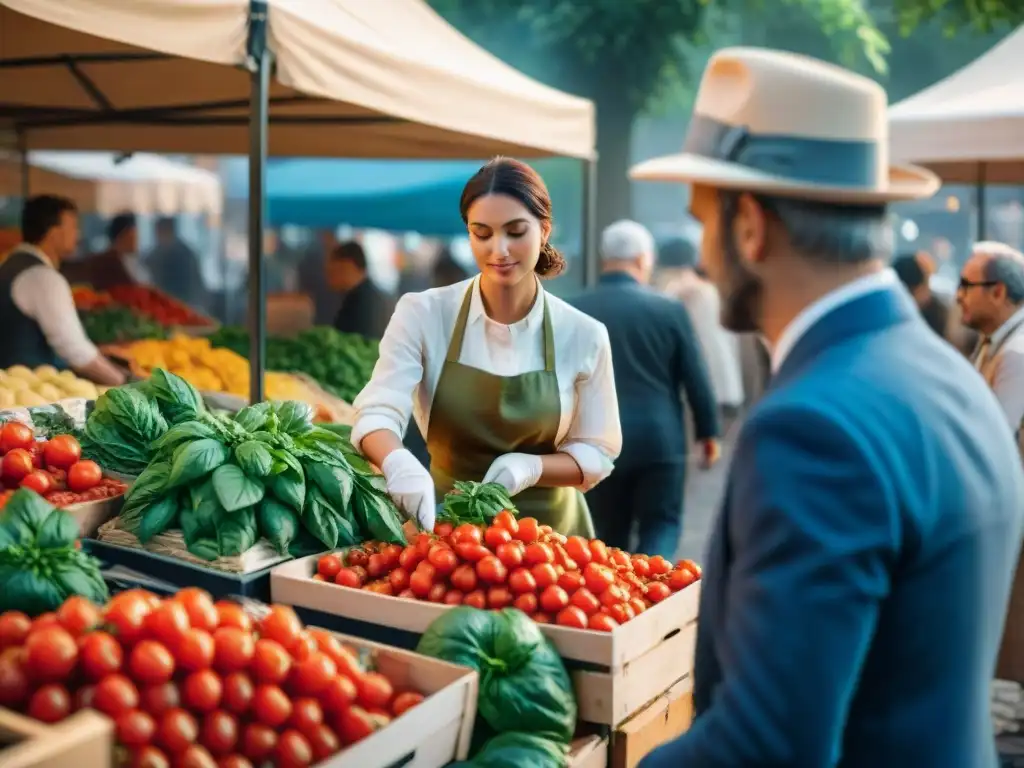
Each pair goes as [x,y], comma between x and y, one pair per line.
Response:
[351,78]
[108,183]
[969,127]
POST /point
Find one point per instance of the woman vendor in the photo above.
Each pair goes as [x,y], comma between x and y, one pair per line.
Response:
[508,383]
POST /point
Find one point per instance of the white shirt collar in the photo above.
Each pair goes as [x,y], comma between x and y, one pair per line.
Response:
[810,316]
[35,251]
[1006,328]
[534,316]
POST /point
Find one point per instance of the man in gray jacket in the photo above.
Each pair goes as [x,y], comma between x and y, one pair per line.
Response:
[991,299]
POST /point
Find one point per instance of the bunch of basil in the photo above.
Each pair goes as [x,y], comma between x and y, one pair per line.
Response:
[40,565]
[478,503]
[267,471]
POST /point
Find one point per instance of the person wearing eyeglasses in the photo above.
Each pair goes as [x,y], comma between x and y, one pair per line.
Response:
[991,300]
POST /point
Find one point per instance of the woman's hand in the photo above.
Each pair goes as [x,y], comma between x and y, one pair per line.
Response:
[515,471]
[411,487]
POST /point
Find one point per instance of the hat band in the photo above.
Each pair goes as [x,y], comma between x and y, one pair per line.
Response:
[814,161]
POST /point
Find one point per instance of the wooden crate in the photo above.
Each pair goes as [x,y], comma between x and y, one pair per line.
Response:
[588,752]
[84,740]
[615,674]
[664,719]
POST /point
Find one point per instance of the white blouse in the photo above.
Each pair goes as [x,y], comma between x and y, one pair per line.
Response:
[413,350]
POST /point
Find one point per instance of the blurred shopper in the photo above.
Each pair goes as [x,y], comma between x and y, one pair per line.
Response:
[991,299]
[37,311]
[700,297]
[174,266]
[858,574]
[365,308]
[915,270]
[118,265]
[656,356]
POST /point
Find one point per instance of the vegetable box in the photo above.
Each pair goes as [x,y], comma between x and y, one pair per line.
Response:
[589,752]
[615,674]
[85,740]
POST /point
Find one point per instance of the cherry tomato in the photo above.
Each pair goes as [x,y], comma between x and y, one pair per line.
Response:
[680,579]
[169,623]
[464,578]
[571,616]
[528,530]
[443,529]
[453,597]
[233,649]
[420,583]
[37,480]
[50,704]
[50,654]
[541,618]
[238,693]
[311,675]
[157,699]
[521,581]
[599,552]
[202,691]
[84,475]
[377,566]
[614,595]
[545,575]
[621,612]
[511,554]
[505,519]
[657,591]
[495,536]
[437,593]
[14,682]
[399,579]
[219,732]
[538,553]
[601,622]
[527,603]
[126,614]
[405,701]
[339,693]
[641,566]
[476,599]
[354,725]
[553,599]
[467,532]
[78,615]
[491,570]
[177,731]
[16,465]
[281,624]
[151,663]
[409,558]
[196,650]
[14,628]
[571,581]
[578,548]
[258,741]
[659,565]
[498,598]
[293,750]
[357,557]
[443,559]
[471,551]
[15,435]
[271,706]
[48,619]
[586,601]
[232,615]
[598,578]
[195,756]
[114,695]
[375,690]
[323,741]
[638,605]
[201,611]
[150,757]
[691,566]
[135,728]
[328,566]
[271,663]
[307,714]
[348,577]
[100,655]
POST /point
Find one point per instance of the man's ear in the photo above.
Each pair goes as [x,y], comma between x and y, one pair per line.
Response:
[750,229]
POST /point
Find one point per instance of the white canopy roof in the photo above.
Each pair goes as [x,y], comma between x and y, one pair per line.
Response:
[353,78]
[107,183]
[973,117]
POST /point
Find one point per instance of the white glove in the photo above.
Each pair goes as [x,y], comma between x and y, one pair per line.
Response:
[515,471]
[411,487]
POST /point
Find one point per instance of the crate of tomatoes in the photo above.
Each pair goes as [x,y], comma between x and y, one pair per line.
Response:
[625,624]
[187,681]
[55,470]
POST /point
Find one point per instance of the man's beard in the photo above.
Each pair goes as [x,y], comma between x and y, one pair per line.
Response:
[742,291]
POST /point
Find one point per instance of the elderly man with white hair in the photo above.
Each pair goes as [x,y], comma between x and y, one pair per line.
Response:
[991,300]
[656,356]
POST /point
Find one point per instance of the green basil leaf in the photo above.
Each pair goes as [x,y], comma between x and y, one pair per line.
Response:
[255,458]
[290,488]
[147,486]
[253,417]
[177,399]
[59,530]
[195,460]
[319,518]
[295,418]
[24,590]
[72,579]
[378,518]
[236,533]
[278,524]
[182,433]
[204,548]
[336,483]
[157,517]
[235,489]
[24,515]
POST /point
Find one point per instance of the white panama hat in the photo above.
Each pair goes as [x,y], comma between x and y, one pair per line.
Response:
[793,126]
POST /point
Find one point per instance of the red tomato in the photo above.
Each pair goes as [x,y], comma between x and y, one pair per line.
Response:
[15,435]
[528,531]
[601,622]
[585,600]
[169,623]
[443,559]
[14,628]
[135,728]
[307,714]
[691,566]
[348,577]
[510,554]
[505,519]
[453,597]
[538,553]
[598,578]
[151,663]
[614,595]
[258,741]
[527,603]
[443,529]
[281,624]
[202,691]
[471,551]
[680,579]
[177,731]
[84,475]
[467,532]
[354,725]
[621,612]
[553,599]
[571,581]
[375,690]
[37,480]
[16,465]
[641,566]
[409,558]
[323,741]
[491,570]
[150,757]
[357,557]
[437,593]
[578,549]
[464,578]
[377,566]
[638,605]
[399,579]
[405,701]
[599,552]
[233,649]
[14,682]
[328,566]
[339,693]
[270,662]
[114,695]
[421,582]
[78,615]
[476,599]
[498,598]
[657,591]
[238,693]
[293,750]
[219,732]
[571,616]
[50,654]
[271,706]
[311,675]
[521,581]
[495,536]
[50,704]
[659,565]
[542,618]
[100,655]
[201,611]
[157,699]
[196,650]
[545,575]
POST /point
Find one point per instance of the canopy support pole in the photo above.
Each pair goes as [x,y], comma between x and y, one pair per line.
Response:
[26,167]
[981,224]
[259,62]
[588,224]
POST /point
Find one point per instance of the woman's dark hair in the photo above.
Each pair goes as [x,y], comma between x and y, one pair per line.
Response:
[506,176]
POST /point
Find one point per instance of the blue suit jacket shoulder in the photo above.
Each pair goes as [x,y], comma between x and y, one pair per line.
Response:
[858,575]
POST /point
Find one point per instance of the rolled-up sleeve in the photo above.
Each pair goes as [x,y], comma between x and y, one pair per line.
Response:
[386,400]
[594,438]
[43,294]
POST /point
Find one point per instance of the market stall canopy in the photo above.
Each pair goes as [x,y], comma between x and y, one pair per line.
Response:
[971,120]
[353,78]
[393,195]
[108,183]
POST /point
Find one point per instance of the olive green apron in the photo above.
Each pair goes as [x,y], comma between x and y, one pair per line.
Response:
[477,416]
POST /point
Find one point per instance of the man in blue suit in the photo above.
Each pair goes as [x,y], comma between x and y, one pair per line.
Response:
[858,575]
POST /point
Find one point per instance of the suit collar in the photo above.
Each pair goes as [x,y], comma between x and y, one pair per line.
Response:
[617,278]
[870,312]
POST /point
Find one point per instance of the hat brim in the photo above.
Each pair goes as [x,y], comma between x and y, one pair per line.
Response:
[906,182]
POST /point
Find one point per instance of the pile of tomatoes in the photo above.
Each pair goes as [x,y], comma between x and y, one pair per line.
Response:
[514,562]
[53,468]
[150,302]
[190,682]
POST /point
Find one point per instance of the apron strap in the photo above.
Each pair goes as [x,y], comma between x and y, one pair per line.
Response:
[455,344]
[549,341]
